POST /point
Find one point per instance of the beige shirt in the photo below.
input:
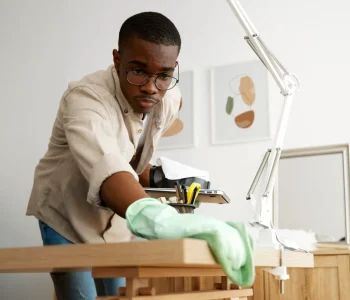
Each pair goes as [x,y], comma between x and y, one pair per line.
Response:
[95,134]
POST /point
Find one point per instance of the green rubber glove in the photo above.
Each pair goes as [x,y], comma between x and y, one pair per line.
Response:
[230,242]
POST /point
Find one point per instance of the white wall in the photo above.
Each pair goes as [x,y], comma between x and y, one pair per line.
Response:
[45,44]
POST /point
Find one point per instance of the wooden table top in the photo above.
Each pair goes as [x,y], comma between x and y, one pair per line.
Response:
[155,253]
[332,249]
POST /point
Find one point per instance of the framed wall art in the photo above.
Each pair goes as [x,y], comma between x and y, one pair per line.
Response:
[239,103]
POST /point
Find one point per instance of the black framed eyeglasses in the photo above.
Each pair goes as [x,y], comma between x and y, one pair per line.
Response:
[162,81]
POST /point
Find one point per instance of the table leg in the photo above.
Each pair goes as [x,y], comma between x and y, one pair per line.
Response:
[141,283]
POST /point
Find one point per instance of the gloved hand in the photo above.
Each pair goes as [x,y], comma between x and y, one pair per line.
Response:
[230,242]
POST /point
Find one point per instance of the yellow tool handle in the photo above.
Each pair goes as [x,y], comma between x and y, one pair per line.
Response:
[191,190]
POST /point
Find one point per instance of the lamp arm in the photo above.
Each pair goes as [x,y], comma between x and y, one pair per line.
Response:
[288,84]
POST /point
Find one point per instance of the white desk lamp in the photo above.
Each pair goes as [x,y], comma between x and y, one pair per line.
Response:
[288,84]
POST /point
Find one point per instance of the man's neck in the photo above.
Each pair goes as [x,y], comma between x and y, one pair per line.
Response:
[144,116]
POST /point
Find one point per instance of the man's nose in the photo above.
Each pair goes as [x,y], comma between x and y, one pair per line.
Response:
[150,87]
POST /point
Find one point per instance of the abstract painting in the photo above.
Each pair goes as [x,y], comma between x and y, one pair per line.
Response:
[239,103]
[181,133]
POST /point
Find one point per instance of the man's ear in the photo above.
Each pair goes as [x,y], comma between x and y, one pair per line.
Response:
[116,59]
[115,54]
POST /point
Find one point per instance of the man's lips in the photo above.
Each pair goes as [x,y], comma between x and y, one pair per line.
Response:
[147,102]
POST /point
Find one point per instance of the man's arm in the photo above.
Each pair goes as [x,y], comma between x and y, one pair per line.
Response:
[144,178]
[91,139]
[120,190]
[123,186]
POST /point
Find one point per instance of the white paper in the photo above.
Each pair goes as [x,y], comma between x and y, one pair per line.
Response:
[175,170]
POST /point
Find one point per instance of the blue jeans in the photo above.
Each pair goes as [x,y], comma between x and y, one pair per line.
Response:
[77,285]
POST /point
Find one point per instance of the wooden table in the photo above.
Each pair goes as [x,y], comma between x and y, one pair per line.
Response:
[156,270]
[328,280]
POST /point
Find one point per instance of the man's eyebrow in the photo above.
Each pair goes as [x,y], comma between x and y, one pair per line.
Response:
[142,64]
[167,69]
[137,62]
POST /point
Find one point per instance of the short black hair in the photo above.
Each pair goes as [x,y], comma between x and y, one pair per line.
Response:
[149,26]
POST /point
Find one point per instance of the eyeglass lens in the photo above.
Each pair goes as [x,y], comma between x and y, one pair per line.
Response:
[162,82]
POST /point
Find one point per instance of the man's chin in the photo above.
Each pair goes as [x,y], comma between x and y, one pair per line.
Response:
[143,110]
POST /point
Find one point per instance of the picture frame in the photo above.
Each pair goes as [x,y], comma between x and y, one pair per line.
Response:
[185,138]
[315,182]
[239,103]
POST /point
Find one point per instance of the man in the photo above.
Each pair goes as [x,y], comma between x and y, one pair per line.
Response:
[107,127]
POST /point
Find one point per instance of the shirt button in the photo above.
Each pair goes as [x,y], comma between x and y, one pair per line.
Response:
[139,131]
[126,110]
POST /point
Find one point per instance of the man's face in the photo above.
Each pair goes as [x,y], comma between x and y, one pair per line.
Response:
[142,57]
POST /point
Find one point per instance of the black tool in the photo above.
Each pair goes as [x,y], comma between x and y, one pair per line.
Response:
[194,195]
[184,193]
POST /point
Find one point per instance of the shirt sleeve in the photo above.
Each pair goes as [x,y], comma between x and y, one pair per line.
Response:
[88,129]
